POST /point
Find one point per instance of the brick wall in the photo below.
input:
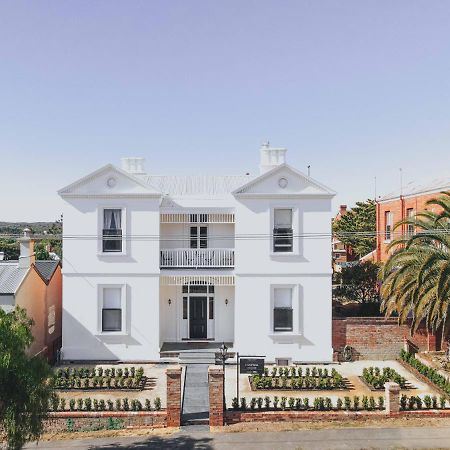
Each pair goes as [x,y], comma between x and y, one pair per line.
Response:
[90,421]
[377,337]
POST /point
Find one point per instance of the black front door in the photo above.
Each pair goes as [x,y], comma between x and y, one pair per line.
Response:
[197,317]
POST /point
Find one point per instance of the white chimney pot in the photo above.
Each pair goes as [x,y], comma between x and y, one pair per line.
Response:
[271,157]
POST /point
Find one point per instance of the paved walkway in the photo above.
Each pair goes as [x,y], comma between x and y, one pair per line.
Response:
[343,438]
[196,397]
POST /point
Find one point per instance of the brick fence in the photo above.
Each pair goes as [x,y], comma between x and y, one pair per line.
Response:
[377,337]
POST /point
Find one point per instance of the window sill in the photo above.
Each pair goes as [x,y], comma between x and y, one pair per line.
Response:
[111,254]
[284,254]
[285,337]
[112,333]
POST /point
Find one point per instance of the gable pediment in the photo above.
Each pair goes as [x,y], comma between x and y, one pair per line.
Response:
[282,181]
[109,181]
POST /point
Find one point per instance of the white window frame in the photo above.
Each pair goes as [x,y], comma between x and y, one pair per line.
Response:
[100,224]
[295,309]
[388,223]
[123,306]
[198,225]
[295,229]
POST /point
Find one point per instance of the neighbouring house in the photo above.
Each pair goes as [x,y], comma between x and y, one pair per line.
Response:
[403,204]
[37,287]
[156,263]
[342,254]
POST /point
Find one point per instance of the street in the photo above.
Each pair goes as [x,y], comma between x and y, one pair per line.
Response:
[342,438]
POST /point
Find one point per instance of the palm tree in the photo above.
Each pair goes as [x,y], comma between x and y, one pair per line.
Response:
[416,277]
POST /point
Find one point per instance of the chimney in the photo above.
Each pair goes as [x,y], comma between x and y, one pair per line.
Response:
[342,209]
[134,165]
[271,157]
[27,256]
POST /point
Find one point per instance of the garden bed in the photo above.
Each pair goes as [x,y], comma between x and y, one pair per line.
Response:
[285,378]
[85,378]
[375,378]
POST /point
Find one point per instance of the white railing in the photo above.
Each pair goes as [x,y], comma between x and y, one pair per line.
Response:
[197,218]
[195,258]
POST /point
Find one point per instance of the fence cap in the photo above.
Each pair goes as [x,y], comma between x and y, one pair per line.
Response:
[392,387]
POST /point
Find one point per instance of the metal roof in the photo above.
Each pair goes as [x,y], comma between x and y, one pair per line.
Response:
[11,276]
[182,185]
[414,188]
[46,268]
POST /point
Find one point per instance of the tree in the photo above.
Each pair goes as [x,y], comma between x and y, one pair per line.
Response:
[416,277]
[24,382]
[360,219]
[359,283]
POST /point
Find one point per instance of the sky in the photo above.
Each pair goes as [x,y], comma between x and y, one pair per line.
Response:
[355,89]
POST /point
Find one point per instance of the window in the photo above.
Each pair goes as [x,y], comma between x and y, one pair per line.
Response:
[388,225]
[211,308]
[112,230]
[112,309]
[199,237]
[282,230]
[185,307]
[282,309]
[282,361]
[410,226]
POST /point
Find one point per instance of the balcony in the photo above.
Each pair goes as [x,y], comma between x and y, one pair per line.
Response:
[207,258]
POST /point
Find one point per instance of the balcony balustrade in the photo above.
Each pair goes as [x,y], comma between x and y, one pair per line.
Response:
[197,258]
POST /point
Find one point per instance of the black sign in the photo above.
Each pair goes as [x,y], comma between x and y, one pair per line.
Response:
[251,365]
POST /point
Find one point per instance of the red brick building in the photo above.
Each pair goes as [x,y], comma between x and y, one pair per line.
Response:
[399,205]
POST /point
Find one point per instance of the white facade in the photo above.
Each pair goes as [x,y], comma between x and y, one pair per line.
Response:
[150,260]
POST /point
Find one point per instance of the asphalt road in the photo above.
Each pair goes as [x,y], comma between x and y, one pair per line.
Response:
[343,438]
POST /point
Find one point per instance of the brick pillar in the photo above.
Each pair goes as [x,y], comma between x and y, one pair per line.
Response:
[173,397]
[432,342]
[392,398]
[216,406]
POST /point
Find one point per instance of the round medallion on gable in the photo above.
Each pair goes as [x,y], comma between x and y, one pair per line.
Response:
[282,182]
[111,182]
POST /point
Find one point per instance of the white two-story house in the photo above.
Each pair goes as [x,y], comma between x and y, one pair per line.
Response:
[151,260]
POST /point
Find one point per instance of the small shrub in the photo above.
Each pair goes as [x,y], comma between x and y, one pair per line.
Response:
[339,404]
[107,372]
[276,400]
[411,402]
[253,403]
[291,402]
[235,403]
[126,372]
[157,404]
[126,404]
[88,404]
[79,404]
[86,383]
[306,403]
[267,402]
[372,404]
[355,402]
[132,371]
[70,425]
[283,403]
[403,402]
[100,371]
[418,402]
[365,402]
[442,401]
[110,405]
[119,372]
[95,404]
[381,402]
[148,405]
[434,402]
[243,404]
[54,402]
[113,372]
[72,404]
[118,404]
[62,404]
[328,403]
[347,403]
[259,402]
[298,404]
[427,401]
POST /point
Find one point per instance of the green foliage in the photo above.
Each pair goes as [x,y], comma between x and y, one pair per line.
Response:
[361,218]
[24,388]
[416,277]
[377,378]
[358,283]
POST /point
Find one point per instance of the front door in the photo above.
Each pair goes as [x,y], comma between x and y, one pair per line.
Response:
[197,318]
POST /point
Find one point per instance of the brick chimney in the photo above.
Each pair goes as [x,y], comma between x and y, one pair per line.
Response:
[27,256]
[342,209]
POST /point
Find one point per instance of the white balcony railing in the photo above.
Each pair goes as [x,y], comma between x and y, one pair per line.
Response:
[197,258]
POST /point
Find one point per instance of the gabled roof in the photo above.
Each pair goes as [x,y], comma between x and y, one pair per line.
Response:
[46,268]
[71,188]
[313,186]
[11,276]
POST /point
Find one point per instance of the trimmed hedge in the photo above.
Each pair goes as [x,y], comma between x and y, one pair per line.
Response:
[318,404]
[376,377]
[87,404]
[426,371]
[427,402]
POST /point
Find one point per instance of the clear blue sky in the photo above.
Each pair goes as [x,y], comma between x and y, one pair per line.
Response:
[356,89]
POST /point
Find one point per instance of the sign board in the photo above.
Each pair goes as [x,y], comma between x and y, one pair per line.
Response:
[251,365]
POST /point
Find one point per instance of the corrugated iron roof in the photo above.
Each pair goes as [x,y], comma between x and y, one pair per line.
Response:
[11,276]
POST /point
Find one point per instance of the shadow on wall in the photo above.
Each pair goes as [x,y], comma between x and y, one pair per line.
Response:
[170,443]
[84,344]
